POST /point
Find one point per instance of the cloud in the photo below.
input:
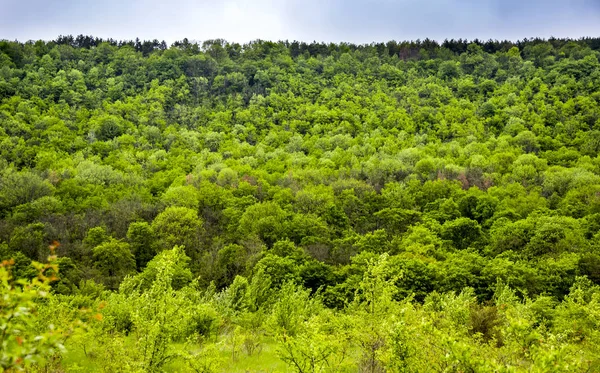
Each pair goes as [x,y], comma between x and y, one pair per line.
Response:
[366,21]
[359,21]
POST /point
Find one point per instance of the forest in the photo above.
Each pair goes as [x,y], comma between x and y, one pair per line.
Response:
[299,207]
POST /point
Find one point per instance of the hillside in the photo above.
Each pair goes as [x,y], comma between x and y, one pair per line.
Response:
[399,207]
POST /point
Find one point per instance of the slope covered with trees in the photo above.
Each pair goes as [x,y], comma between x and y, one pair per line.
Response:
[310,207]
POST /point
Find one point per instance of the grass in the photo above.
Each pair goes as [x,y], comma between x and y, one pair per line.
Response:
[264,361]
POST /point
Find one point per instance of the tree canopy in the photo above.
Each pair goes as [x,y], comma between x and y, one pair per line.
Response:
[400,206]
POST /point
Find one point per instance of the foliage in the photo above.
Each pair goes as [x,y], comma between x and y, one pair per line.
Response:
[23,342]
[401,206]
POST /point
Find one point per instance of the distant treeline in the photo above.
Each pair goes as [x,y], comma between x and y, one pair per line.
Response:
[417,49]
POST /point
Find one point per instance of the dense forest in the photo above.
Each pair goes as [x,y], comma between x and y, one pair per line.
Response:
[293,207]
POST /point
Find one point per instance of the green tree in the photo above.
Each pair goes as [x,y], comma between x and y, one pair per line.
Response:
[142,240]
[25,345]
[113,260]
[462,232]
[179,226]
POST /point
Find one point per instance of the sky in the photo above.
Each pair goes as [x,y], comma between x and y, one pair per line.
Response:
[357,21]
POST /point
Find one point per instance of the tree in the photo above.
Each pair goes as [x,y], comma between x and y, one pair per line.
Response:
[323,346]
[96,236]
[180,277]
[114,260]
[160,315]
[29,240]
[462,232]
[24,343]
[279,270]
[109,128]
[449,70]
[179,226]
[231,262]
[143,243]
[265,220]
[372,305]
[17,188]
[293,306]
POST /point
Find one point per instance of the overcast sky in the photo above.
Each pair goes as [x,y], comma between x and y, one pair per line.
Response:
[358,21]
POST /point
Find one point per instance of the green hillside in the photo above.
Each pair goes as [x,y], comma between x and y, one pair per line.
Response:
[294,207]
